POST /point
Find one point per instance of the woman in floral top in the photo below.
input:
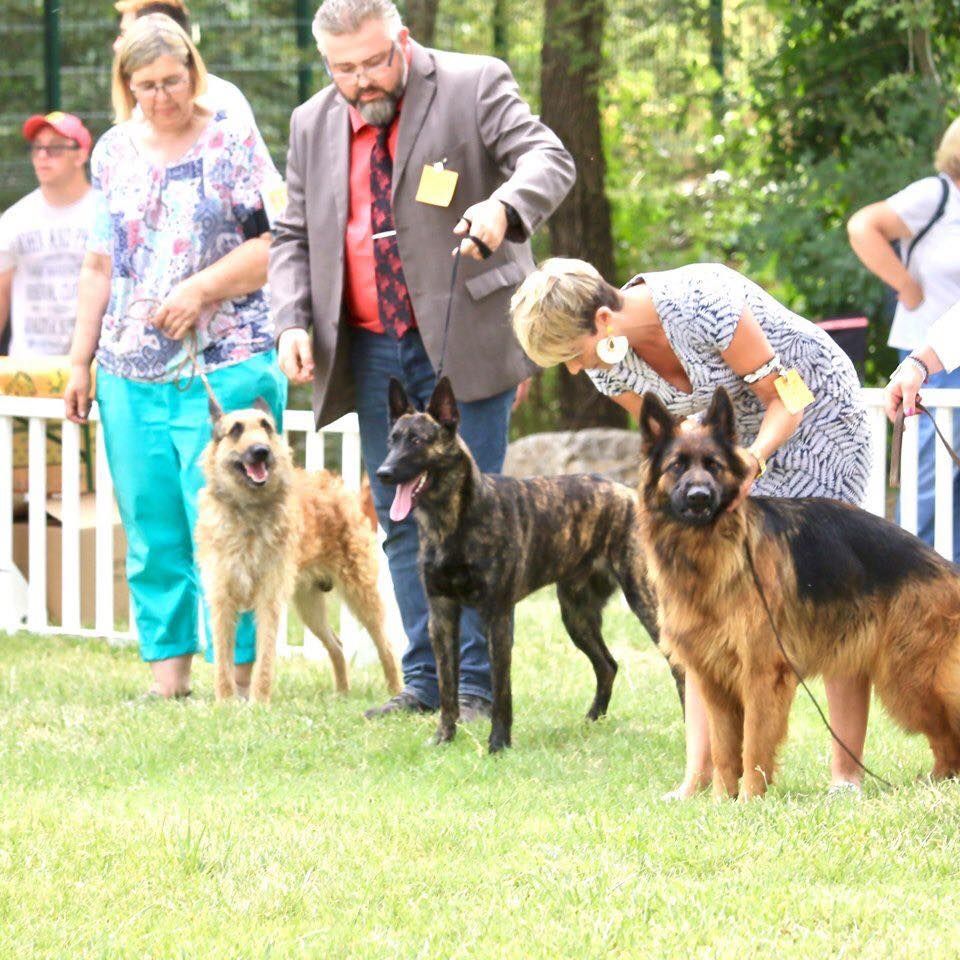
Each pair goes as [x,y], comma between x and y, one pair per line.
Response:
[177,259]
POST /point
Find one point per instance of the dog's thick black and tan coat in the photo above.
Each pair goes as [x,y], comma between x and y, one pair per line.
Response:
[488,541]
[850,594]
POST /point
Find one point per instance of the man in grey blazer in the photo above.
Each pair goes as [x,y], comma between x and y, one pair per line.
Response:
[406,150]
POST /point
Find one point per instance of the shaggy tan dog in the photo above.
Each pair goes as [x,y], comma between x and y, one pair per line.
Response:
[267,532]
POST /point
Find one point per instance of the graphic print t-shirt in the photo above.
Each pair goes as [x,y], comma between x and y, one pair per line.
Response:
[44,246]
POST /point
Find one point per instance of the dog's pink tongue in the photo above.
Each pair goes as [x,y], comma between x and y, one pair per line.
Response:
[402,500]
[256,471]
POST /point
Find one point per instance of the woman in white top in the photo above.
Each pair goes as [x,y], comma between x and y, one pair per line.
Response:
[926,287]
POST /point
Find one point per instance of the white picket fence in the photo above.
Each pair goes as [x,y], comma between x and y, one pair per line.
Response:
[23,600]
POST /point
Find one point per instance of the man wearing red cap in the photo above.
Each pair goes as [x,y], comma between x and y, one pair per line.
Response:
[43,238]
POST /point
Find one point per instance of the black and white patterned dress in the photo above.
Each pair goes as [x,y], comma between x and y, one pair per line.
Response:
[700,306]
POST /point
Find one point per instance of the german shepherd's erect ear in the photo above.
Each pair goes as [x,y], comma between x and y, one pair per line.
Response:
[443,405]
[720,417]
[656,423]
[399,402]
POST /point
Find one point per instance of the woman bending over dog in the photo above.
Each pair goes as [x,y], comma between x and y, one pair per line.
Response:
[681,334]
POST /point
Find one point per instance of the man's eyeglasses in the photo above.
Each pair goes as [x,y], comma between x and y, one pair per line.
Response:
[345,72]
[170,86]
[52,149]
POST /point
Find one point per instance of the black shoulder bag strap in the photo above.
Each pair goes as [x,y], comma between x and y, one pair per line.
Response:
[937,214]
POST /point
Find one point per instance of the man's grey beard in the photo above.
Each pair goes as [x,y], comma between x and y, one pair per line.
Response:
[379,113]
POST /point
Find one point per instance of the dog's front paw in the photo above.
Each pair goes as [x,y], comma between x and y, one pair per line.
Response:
[225,690]
[445,733]
[499,742]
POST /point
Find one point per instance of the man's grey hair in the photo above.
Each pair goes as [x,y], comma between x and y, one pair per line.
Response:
[338,17]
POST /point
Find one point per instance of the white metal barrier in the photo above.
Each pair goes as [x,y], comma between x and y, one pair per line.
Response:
[942,404]
[23,601]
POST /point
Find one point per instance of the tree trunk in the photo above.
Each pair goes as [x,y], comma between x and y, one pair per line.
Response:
[571,61]
[498,19]
[421,18]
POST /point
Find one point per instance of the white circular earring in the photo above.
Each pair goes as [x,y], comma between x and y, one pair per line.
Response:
[612,349]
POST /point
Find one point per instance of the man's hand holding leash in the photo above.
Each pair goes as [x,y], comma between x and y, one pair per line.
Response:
[486,222]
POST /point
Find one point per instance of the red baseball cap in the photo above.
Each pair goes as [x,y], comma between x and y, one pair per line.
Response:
[66,124]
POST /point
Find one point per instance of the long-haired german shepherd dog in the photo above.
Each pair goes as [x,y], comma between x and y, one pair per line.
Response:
[267,532]
[488,541]
[850,593]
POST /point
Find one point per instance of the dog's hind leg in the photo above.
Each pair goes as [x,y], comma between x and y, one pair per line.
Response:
[500,641]
[267,616]
[311,603]
[581,607]
[445,640]
[363,598]
[223,626]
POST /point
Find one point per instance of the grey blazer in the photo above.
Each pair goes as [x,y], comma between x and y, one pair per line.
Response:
[467,111]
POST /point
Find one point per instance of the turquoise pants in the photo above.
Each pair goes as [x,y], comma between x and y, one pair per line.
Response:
[154,437]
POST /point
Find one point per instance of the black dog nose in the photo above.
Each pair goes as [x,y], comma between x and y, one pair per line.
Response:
[258,453]
[698,497]
[385,474]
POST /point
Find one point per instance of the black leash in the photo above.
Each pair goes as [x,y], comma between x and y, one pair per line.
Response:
[486,253]
[826,722]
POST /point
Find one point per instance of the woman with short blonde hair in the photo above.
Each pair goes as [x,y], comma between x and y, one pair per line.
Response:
[681,334]
[556,306]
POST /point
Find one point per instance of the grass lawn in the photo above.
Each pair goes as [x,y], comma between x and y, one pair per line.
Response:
[190,830]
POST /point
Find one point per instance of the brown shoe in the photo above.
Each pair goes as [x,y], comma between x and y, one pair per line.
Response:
[403,702]
[473,708]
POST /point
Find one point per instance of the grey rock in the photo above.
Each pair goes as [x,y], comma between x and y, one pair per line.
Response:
[614,453]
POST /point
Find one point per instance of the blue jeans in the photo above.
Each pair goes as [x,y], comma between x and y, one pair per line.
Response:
[155,434]
[375,358]
[926,480]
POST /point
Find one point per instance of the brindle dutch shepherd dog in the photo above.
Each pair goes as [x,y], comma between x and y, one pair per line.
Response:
[849,593]
[488,541]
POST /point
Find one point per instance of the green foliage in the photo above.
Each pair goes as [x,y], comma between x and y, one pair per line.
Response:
[827,119]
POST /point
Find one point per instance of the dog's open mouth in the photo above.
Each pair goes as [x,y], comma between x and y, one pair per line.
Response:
[406,496]
[698,515]
[257,473]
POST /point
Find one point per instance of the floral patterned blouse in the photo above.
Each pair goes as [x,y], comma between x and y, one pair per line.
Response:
[162,224]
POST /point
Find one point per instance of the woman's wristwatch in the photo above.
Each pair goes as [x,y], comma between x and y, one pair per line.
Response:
[761,460]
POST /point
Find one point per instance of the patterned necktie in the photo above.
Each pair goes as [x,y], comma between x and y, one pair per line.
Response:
[393,298]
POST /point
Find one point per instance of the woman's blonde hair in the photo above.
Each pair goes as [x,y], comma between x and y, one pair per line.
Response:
[149,38]
[947,159]
[557,305]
